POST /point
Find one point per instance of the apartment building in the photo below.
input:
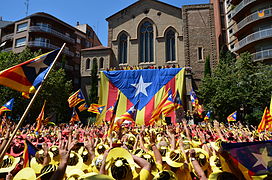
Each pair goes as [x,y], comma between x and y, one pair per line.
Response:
[249,28]
[46,32]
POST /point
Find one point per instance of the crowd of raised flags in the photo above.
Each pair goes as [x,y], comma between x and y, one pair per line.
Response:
[28,77]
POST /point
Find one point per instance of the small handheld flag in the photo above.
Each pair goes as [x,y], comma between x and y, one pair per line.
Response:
[266,122]
[7,107]
[74,117]
[75,98]
[232,117]
[96,108]
[83,107]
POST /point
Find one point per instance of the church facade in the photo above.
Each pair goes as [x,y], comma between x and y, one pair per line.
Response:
[153,33]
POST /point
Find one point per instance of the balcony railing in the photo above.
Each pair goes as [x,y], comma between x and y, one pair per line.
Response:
[7,37]
[49,46]
[253,37]
[254,17]
[262,55]
[52,31]
[240,6]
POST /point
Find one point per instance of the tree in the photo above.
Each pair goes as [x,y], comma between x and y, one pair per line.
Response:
[94,83]
[207,70]
[237,84]
[55,90]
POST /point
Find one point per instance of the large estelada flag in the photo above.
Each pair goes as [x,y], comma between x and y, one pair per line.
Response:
[147,86]
[252,158]
[27,76]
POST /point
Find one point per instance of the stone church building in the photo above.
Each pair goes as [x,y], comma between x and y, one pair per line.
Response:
[154,33]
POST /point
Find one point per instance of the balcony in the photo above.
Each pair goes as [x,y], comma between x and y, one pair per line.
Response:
[51,31]
[262,55]
[267,33]
[7,37]
[241,6]
[254,17]
[49,46]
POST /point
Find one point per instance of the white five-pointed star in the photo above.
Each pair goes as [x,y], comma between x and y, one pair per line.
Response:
[262,159]
[38,64]
[141,87]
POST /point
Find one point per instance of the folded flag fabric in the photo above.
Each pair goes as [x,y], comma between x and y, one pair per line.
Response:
[96,108]
[169,105]
[83,107]
[178,101]
[252,158]
[8,106]
[208,115]
[232,116]
[76,98]
[74,117]
[40,118]
[130,115]
[27,76]
[194,99]
[29,150]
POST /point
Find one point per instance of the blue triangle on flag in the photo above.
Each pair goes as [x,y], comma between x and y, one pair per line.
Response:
[141,85]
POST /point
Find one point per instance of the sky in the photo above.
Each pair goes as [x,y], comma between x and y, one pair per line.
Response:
[92,12]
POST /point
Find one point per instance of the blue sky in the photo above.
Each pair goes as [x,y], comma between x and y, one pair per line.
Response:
[92,12]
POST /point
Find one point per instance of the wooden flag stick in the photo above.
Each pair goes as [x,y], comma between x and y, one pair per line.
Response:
[30,104]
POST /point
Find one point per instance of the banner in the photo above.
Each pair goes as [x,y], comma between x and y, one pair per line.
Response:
[145,85]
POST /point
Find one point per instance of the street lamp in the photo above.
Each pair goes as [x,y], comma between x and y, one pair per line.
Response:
[242,111]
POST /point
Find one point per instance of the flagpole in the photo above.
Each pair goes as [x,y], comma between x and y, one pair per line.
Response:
[30,104]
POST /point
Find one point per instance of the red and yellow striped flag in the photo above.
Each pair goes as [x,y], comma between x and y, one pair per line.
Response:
[266,122]
[148,86]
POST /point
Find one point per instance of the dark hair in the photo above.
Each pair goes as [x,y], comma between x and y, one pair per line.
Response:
[226,176]
[120,172]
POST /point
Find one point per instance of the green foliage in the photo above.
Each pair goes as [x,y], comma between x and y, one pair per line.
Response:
[207,70]
[94,83]
[55,90]
[237,85]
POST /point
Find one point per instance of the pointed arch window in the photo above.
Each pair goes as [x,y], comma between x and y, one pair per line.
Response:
[146,42]
[123,49]
[170,46]
[88,64]
[101,62]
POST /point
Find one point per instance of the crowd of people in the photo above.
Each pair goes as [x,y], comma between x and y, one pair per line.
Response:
[162,152]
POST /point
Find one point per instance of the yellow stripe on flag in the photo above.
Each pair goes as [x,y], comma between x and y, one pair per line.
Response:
[104,82]
[140,117]
[122,105]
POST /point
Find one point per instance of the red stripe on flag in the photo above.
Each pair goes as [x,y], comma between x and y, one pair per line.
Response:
[112,96]
[172,85]
[148,110]
[17,78]
[129,104]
